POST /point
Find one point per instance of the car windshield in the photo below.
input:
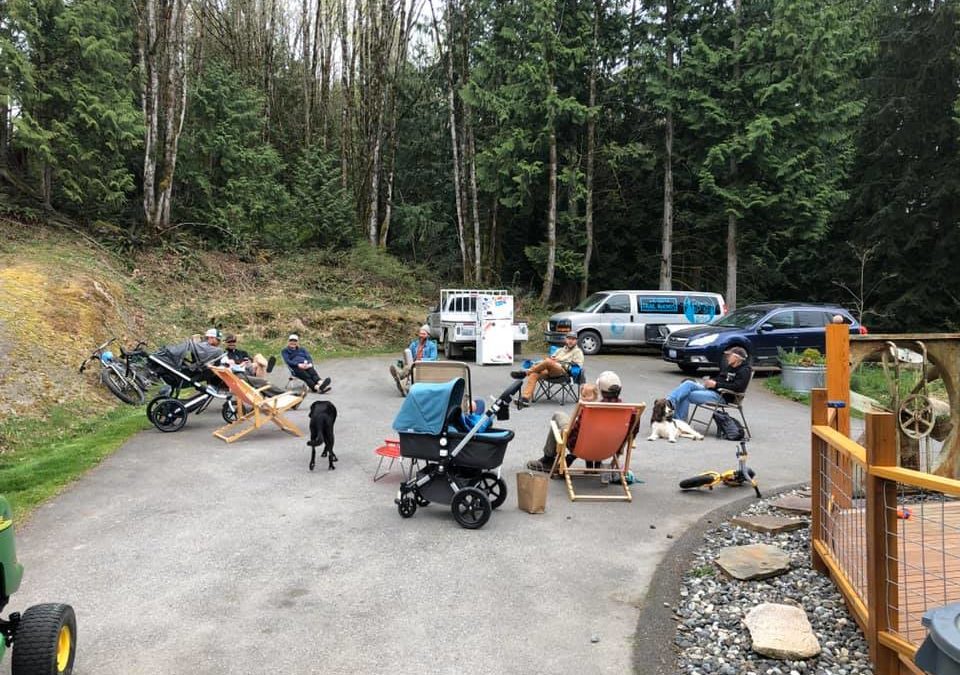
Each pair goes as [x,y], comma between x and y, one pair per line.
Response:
[741,318]
[591,303]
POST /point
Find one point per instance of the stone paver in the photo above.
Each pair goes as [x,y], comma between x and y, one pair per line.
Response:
[753,561]
[769,524]
[781,632]
[792,503]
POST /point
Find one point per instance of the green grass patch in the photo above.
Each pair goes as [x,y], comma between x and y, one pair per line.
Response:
[774,384]
[46,454]
[703,571]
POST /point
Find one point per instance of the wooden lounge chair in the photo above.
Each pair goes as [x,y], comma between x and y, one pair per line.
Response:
[443,371]
[257,408]
[604,431]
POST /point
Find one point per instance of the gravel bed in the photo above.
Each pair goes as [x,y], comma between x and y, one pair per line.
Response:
[711,637]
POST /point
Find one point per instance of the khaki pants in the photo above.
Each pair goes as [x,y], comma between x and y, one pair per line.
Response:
[562,420]
[545,368]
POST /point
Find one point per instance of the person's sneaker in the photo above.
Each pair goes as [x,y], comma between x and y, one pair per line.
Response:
[271,362]
[523,403]
[323,387]
[605,476]
[518,374]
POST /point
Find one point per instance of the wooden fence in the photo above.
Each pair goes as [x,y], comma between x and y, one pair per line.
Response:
[888,536]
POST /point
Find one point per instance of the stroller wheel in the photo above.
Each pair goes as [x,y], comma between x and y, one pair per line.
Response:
[422,501]
[471,508]
[229,412]
[407,506]
[496,488]
[169,415]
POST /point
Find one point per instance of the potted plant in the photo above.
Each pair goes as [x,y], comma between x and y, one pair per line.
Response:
[802,371]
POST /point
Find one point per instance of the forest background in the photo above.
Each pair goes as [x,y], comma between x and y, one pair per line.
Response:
[765,149]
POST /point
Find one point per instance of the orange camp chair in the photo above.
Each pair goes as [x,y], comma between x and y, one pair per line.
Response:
[604,431]
[256,409]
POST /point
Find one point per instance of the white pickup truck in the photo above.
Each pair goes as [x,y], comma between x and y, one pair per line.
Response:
[453,322]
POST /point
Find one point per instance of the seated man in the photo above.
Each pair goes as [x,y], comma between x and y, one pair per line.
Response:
[553,366]
[300,363]
[235,357]
[734,376]
[588,393]
[421,349]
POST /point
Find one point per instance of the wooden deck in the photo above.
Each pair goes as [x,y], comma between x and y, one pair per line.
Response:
[928,555]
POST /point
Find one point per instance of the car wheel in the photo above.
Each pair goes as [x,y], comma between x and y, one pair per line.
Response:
[590,343]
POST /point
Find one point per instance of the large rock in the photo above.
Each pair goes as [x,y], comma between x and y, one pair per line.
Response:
[754,561]
[769,524]
[781,632]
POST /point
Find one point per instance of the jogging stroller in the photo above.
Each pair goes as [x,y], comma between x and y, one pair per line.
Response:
[461,463]
[167,411]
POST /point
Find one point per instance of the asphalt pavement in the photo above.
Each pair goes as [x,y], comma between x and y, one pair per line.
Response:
[183,554]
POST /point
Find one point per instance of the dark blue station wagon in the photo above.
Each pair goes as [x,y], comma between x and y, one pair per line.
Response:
[760,329]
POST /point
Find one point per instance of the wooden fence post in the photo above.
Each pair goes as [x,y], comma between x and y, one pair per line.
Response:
[818,417]
[838,372]
[883,604]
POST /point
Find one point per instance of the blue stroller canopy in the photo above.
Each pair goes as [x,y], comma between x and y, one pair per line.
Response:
[424,410]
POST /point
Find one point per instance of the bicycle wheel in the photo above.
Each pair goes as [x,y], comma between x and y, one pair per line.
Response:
[701,480]
[121,387]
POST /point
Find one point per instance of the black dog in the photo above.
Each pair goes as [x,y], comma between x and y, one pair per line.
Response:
[323,415]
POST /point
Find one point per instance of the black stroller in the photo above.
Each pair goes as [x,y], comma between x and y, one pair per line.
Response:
[167,411]
[460,463]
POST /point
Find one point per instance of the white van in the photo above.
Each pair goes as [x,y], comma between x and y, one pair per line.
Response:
[633,318]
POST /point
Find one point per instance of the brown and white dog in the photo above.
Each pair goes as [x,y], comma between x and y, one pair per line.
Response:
[663,425]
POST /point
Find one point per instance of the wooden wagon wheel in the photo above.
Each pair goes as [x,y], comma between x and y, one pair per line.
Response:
[916,416]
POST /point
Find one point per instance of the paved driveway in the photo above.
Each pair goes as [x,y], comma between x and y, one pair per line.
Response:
[182,554]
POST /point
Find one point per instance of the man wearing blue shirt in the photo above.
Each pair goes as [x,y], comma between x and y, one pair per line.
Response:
[300,363]
[421,349]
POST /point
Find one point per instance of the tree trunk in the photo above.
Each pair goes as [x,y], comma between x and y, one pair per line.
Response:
[551,220]
[732,217]
[307,51]
[374,182]
[591,151]
[346,63]
[666,245]
[454,142]
[4,130]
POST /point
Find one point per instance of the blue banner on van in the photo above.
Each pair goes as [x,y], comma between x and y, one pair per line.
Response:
[699,310]
[659,305]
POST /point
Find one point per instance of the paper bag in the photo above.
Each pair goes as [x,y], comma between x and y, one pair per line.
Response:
[532,491]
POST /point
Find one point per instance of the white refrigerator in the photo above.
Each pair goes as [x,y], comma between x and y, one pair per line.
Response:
[495,329]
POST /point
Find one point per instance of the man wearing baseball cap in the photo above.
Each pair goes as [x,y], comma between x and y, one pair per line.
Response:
[734,376]
[300,363]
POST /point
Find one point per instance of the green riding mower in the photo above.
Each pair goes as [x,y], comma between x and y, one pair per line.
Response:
[44,638]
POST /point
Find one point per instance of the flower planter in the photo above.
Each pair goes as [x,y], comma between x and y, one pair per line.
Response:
[802,379]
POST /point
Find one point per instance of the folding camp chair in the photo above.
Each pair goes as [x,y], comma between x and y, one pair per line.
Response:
[564,386]
[443,371]
[604,431]
[256,409]
[724,405]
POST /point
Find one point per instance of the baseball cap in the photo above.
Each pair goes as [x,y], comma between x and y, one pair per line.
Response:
[570,335]
[424,328]
[608,381]
[293,337]
[739,351]
[212,332]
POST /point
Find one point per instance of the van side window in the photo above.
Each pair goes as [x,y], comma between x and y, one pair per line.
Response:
[659,304]
[617,304]
[703,304]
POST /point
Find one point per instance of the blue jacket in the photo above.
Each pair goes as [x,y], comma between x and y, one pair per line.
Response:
[429,350]
[293,357]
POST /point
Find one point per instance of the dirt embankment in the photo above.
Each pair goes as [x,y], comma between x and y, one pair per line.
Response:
[62,295]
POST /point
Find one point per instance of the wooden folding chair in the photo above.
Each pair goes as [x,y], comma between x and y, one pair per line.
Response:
[257,409]
[604,431]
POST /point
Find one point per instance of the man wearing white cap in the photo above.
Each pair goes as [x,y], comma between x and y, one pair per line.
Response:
[734,377]
[421,349]
[300,363]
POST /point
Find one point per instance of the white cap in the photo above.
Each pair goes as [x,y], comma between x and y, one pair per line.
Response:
[608,380]
[212,332]
[424,329]
[293,336]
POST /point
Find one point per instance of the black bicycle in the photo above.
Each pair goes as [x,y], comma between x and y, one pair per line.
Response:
[125,377]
